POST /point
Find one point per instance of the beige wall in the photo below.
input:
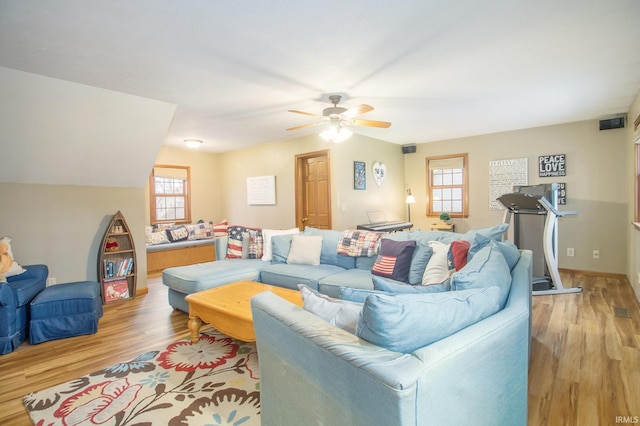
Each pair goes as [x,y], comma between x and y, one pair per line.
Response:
[62,226]
[596,186]
[349,206]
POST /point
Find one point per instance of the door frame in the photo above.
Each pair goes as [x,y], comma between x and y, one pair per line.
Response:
[299,185]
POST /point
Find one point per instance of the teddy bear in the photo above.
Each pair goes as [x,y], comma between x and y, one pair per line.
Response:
[5,261]
[111,244]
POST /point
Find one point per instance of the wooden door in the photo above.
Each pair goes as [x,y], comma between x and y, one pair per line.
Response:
[313,190]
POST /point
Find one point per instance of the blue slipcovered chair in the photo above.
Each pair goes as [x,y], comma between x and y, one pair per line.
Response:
[15,296]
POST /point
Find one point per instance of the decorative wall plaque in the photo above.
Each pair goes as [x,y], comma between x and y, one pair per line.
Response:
[552,165]
[503,175]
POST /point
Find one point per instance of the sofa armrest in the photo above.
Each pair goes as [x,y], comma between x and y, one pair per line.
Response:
[7,299]
[38,272]
[310,369]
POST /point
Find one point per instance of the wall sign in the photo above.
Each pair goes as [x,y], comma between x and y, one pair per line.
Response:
[261,190]
[552,165]
[503,175]
[562,193]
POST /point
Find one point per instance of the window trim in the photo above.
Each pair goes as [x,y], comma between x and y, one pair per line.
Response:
[464,186]
[187,195]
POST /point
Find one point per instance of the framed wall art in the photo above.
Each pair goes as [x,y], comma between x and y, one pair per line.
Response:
[359,175]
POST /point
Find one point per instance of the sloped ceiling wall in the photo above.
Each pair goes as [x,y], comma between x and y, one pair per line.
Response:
[57,132]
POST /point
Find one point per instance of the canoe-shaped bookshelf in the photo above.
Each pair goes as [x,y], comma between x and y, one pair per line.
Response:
[117,262]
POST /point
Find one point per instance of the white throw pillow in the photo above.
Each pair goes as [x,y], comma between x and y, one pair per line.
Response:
[343,314]
[267,253]
[305,250]
[437,269]
[15,268]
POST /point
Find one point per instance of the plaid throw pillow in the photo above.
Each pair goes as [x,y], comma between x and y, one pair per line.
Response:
[234,246]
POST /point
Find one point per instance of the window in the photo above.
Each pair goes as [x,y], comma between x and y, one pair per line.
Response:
[447,185]
[169,188]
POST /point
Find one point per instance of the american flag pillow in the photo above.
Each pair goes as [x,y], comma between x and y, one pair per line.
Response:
[234,246]
[394,259]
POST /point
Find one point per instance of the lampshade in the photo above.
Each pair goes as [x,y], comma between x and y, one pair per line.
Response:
[193,143]
[336,133]
[410,198]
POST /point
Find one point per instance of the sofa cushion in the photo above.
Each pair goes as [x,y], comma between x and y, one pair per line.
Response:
[305,250]
[354,278]
[406,322]
[419,261]
[280,245]
[437,270]
[267,234]
[220,229]
[358,295]
[394,259]
[343,314]
[155,238]
[200,231]
[236,237]
[494,232]
[458,254]
[179,233]
[487,268]
[203,276]
[329,254]
[289,276]
[390,286]
[508,249]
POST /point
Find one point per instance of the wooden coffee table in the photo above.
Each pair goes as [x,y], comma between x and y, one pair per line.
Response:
[228,308]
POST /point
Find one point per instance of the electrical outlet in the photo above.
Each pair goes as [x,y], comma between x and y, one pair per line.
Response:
[51,281]
[571,252]
[596,254]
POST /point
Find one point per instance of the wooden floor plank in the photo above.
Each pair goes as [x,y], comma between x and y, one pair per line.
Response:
[584,368]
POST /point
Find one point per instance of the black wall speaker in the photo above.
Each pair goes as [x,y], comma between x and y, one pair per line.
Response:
[612,123]
[408,149]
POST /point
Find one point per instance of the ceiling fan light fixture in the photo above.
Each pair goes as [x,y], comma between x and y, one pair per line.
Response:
[336,134]
[193,143]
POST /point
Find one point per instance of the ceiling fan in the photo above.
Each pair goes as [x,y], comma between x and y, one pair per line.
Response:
[338,116]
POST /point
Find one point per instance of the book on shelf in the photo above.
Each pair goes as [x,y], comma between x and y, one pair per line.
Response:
[116,289]
[119,268]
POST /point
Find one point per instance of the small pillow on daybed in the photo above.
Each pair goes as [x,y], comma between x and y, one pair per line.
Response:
[406,322]
[341,313]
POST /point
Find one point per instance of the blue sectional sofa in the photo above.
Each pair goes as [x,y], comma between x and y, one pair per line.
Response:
[333,271]
[450,353]
[312,372]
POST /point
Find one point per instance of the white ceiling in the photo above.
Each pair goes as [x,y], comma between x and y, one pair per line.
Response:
[435,69]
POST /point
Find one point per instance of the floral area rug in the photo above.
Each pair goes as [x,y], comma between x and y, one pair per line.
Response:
[212,382]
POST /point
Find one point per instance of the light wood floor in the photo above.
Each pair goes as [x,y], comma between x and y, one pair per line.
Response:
[584,369]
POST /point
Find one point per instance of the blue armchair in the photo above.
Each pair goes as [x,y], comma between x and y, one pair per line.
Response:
[15,296]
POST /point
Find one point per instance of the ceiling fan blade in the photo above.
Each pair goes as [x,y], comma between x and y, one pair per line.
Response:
[357,110]
[303,126]
[304,113]
[370,123]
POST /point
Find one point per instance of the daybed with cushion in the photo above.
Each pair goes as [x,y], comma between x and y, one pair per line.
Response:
[325,260]
[456,356]
[170,245]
